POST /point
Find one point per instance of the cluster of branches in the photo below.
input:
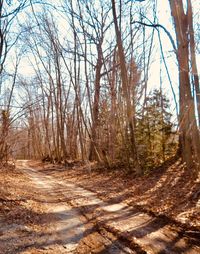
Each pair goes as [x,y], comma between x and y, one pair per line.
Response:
[91,88]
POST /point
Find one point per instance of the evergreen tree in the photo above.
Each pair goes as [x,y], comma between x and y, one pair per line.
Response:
[155,130]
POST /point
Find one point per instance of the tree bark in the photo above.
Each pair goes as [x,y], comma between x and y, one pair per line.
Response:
[189,133]
[195,75]
[126,94]
[94,153]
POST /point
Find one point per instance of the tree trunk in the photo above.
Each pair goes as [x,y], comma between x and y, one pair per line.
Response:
[195,75]
[189,133]
[126,94]
[94,153]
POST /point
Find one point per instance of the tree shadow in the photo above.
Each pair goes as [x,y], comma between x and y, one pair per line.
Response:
[124,215]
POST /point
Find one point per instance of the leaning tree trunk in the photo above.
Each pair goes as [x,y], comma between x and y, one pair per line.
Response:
[189,133]
[126,94]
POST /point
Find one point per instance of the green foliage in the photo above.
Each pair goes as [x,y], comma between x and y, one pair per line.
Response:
[155,136]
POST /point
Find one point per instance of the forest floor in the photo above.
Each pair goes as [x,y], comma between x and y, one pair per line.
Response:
[50,209]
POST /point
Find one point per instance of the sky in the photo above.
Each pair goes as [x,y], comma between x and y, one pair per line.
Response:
[164,18]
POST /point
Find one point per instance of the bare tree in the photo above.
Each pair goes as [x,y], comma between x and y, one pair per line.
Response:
[189,133]
[125,85]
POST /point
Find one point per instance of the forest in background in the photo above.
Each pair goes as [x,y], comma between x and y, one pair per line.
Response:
[87,97]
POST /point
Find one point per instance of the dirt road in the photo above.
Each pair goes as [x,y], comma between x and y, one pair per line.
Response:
[77,221]
[65,229]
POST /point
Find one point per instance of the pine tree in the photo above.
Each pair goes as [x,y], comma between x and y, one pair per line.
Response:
[155,130]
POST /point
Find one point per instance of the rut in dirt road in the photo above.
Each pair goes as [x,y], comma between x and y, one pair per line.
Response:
[70,233]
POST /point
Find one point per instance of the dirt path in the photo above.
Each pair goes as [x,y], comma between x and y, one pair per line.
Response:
[71,232]
[68,229]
